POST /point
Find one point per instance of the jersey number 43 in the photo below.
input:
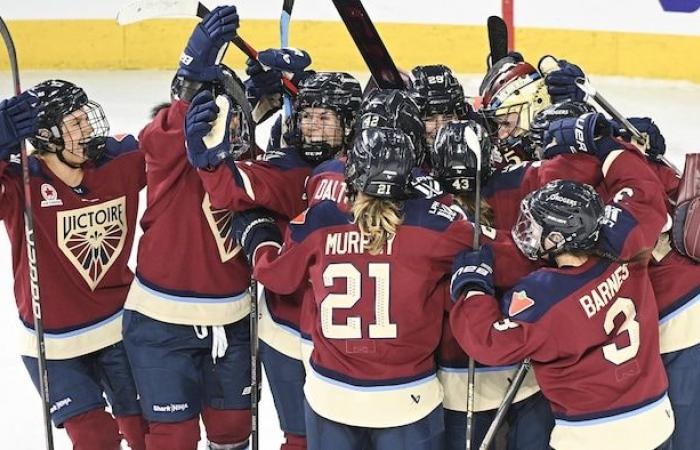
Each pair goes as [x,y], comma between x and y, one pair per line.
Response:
[382,328]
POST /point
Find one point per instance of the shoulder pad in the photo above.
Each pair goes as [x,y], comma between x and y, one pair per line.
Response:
[323,214]
[286,158]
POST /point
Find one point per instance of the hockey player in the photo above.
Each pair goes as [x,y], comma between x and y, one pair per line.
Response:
[85,187]
[186,327]
[371,377]
[440,97]
[320,127]
[455,165]
[606,381]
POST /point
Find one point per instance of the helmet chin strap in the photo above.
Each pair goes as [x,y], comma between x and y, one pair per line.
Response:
[59,155]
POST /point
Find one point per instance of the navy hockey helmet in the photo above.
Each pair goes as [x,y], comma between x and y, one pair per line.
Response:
[394,108]
[66,114]
[562,216]
[437,91]
[534,142]
[454,161]
[380,163]
[338,92]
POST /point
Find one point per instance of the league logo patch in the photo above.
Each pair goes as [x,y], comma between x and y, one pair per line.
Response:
[50,196]
[92,238]
[519,302]
[300,219]
[219,221]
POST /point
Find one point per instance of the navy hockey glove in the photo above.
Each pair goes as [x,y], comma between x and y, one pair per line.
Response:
[18,120]
[207,45]
[589,133]
[261,82]
[207,130]
[645,125]
[561,83]
[252,228]
[472,271]
[266,73]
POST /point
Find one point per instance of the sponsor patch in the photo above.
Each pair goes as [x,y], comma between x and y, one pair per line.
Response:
[50,196]
[519,302]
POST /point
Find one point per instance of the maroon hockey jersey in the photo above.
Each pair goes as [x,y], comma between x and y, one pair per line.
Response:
[83,237]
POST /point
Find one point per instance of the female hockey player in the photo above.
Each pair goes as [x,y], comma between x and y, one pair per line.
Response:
[605,381]
[186,322]
[455,165]
[371,376]
[85,187]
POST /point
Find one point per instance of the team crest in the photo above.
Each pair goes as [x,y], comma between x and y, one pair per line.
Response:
[519,302]
[92,238]
[50,196]
[219,221]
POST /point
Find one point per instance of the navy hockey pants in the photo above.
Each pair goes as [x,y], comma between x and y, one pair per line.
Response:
[425,434]
[174,371]
[683,370]
[286,378]
[76,384]
[530,424]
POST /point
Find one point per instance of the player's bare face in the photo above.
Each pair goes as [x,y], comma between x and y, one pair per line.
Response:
[321,125]
[76,129]
[434,123]
[507,125]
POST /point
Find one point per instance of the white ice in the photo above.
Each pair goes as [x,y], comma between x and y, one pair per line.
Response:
[127,97]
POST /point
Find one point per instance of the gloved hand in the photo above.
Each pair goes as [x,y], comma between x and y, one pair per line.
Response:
[207,45]
[561,83]
[589,133]
[18,120]
[207,131]
[266,73]
[472,271]
[645,125]
[253,227]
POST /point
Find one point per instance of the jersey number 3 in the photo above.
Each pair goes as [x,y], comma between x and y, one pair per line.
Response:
[382,328]
[611,352]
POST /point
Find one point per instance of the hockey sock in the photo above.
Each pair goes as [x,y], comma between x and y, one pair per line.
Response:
[93,429]
[232,426]
[134,429]
[294,442]
[173,436]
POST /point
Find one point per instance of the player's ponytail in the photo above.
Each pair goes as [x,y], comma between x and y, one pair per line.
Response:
[378,220]
[467,202]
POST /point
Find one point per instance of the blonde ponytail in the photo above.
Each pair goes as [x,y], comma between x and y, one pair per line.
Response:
[378,219]
[467,202]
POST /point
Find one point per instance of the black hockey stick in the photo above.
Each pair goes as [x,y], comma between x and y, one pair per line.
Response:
[254,361]
[31,254]
[140,10]
[498,39]
[518,379]
[370,44]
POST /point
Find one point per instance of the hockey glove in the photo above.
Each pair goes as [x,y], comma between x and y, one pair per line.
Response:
[266,73]
[472,271]
[645,125]
[252,228]
[207,45]
[561,83]
[207,130]
[589,133]
[18,120]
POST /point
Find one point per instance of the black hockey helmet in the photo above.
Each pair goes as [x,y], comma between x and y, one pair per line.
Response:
[394,108]
[57,99]
[561,216]
[534,142]
[454,158]
[380,163]
[339,92]
[437,91]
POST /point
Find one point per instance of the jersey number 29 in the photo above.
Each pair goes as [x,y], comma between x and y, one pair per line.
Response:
[382,328]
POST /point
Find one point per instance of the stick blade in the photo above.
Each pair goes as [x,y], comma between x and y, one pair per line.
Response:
[141,10]
[498,38]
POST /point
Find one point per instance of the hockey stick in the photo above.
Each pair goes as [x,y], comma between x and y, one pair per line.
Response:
[285,18]
[498,39]
[31,253]
[254,358]
[370,44]
[505,404]
[141,10]
[637,136]
[473,143]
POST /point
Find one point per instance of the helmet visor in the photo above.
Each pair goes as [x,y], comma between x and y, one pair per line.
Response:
[527,233]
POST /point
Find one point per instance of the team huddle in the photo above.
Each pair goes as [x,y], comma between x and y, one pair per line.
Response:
[393,236]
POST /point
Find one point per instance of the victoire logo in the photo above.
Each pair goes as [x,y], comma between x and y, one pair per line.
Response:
[171,408]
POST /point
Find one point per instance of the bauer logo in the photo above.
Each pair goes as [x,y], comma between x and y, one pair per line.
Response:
[219,221]
[92,238]
[683,6]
